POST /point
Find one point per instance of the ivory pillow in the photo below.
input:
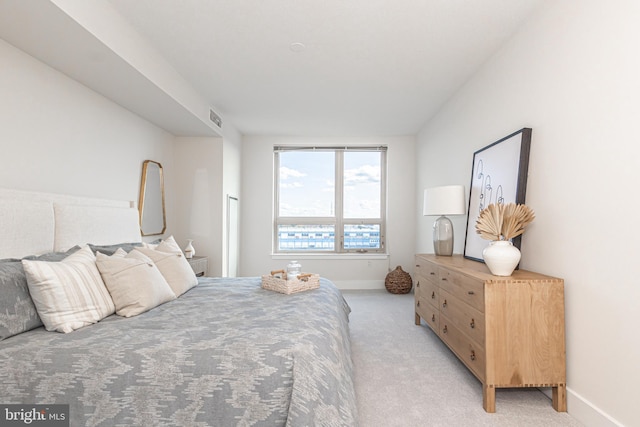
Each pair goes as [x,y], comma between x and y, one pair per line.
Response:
[17,312]
[169,245]
[134,282]
[68,294]
[174,267]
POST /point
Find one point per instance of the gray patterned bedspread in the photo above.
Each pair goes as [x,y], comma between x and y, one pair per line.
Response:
[226,353]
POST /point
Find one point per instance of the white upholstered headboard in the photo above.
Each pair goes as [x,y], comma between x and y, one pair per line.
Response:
[34,223]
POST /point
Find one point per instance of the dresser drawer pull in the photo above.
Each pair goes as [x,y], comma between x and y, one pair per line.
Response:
[444,279]
[432,273]
[472,324]
[472,356]
[433,294]
[433,318]
[418,304]
[418,284]
[444,304]
[471,293]
[444,330]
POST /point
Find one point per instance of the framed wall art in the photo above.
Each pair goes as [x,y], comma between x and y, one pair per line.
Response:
[498,175]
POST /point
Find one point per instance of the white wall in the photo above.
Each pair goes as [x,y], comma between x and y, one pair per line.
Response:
[58,136]
[231,185]
[198,197]
[209,171]
[363,272]
[572,74]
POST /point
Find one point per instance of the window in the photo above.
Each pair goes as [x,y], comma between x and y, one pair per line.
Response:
[329,200]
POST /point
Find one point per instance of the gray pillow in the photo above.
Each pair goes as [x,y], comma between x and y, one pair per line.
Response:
[111,249]
[17,312]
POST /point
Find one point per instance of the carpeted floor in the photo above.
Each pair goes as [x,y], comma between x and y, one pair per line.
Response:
[405,376]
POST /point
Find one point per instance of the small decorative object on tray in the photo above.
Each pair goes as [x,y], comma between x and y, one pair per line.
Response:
[294,269]
[278,281]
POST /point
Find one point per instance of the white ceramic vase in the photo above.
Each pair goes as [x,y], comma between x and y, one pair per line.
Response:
[189,251]
[501,257]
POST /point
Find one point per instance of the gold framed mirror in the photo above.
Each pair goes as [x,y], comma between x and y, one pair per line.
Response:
[153,219]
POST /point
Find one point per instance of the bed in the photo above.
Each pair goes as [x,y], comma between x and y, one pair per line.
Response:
[224,353]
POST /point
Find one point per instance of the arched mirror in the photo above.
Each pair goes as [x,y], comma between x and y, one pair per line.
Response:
[151,204]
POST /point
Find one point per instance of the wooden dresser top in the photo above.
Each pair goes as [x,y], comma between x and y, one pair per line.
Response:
[479,270]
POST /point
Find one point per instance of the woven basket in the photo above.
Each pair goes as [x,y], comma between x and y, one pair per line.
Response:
[398,281]
[305,282]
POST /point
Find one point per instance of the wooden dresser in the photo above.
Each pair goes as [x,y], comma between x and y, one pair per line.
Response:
[509,331]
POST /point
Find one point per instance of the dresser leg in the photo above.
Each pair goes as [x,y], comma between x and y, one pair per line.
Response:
[489,398]
[417,319]
[559,398]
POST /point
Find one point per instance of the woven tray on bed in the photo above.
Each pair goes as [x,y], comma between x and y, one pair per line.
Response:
[304,282]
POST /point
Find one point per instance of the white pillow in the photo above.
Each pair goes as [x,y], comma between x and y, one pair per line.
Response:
[169,245]
[119,253]
[68,294]
[134,282]
[174,267]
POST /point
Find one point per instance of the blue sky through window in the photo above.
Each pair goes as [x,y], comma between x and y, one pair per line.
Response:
[307,184]
[307,181]
[362,184]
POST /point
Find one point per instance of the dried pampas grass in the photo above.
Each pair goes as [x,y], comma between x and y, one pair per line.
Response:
[503,222]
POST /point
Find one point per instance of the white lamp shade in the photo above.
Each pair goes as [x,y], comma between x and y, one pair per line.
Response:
[445,200]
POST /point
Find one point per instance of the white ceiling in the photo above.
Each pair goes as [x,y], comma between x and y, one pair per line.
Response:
[370,67]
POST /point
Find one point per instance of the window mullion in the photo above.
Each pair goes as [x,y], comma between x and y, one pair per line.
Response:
[339,195]
[383,201]
[276,204]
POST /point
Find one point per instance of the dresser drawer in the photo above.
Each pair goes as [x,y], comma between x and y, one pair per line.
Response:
[469,352]
[427,290]
[429,313]
[427,270]
[464,317]
[467,289]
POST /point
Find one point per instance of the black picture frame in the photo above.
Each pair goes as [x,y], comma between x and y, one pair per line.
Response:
[498,175]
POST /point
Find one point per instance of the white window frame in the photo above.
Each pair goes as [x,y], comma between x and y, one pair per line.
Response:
[337,221]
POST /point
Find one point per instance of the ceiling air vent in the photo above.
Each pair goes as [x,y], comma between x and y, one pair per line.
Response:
[215,118]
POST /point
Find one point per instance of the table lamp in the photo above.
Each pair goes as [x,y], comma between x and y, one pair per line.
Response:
[445,200]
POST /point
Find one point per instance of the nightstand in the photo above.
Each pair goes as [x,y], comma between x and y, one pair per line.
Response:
[199,265]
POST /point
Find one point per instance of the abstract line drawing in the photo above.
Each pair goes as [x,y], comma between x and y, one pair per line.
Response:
[485,197]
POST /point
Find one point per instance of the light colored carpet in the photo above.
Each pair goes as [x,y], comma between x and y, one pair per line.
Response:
[405,376]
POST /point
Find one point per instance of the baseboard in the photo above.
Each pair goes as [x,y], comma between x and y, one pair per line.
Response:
[587,413]
[359,285]
[584,411]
